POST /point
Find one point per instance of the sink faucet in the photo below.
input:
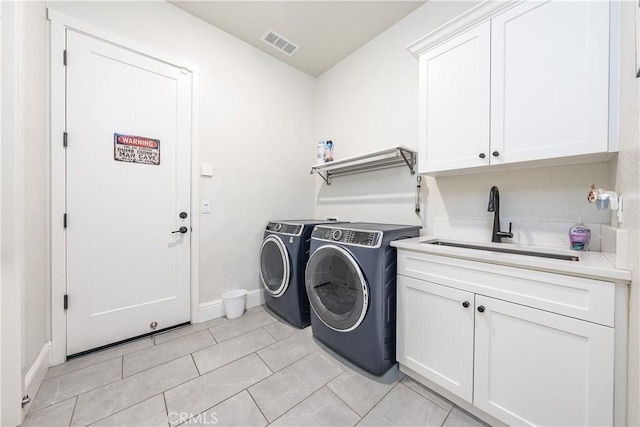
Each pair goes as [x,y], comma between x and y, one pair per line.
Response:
[494,206]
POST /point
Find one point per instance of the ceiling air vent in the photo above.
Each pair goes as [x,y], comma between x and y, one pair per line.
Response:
[276,40]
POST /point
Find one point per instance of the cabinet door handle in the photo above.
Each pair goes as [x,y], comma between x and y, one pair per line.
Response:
[465,304]
[495,153]
[482,155]
[481,309]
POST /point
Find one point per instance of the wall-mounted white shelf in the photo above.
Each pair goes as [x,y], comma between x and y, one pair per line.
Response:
[383,159]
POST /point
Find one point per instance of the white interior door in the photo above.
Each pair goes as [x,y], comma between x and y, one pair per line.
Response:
[128,167]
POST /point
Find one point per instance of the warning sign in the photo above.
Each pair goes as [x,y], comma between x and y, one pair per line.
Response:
[136,149]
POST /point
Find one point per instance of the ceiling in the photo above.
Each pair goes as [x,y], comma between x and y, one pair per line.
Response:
[325,31]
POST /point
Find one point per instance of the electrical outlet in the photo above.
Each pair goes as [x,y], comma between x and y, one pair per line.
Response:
[206,206]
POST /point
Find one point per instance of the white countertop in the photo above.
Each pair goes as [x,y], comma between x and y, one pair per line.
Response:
[593,265]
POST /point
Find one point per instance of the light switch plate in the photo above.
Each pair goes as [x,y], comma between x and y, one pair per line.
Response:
[206,169]
[206,206]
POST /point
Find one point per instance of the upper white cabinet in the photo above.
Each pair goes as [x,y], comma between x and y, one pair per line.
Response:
[507,84]
[550,80]
[455,114]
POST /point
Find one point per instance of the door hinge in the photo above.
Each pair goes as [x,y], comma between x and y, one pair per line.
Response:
[64,221]
[65,137]
[25,400]
[64,57]
[66,301]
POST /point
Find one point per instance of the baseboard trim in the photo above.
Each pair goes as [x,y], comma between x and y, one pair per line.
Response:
[213,309]
[36,374]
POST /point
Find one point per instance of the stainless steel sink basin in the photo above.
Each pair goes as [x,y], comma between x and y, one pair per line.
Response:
[505,250]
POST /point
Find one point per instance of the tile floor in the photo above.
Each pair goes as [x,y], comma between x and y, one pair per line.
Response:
[252,371]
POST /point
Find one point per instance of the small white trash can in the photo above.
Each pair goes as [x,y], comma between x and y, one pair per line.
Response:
[234,303]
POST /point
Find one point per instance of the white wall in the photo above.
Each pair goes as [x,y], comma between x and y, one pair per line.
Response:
[627,184]
[10,226]
[34,171]
[256,123]
[369,102]
[25,278]
[2,320]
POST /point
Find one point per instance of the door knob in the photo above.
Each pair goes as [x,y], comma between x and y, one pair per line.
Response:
[481,309]
[495,153]
[482,155]
[465,304]
[182,230]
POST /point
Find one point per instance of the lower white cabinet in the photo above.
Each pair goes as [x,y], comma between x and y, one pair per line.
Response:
[435,333]
[533,367]
[522,365]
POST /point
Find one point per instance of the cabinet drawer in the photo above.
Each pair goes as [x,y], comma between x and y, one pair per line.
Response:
[587,299]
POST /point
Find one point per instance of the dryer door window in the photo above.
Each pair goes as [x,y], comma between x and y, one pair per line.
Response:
[275,267]
[336,287]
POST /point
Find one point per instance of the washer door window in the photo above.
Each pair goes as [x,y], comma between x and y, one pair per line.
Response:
[336,287]
[274,266]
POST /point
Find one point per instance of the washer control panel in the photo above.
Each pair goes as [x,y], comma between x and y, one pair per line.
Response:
[285,228]
[348,236]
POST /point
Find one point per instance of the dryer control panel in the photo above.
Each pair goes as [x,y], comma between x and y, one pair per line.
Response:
[348,236]
[285,228]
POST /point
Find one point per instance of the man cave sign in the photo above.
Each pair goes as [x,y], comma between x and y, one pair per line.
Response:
[136,149]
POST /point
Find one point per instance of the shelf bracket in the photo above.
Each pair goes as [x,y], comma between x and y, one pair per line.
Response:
[325,178]
[410,162]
